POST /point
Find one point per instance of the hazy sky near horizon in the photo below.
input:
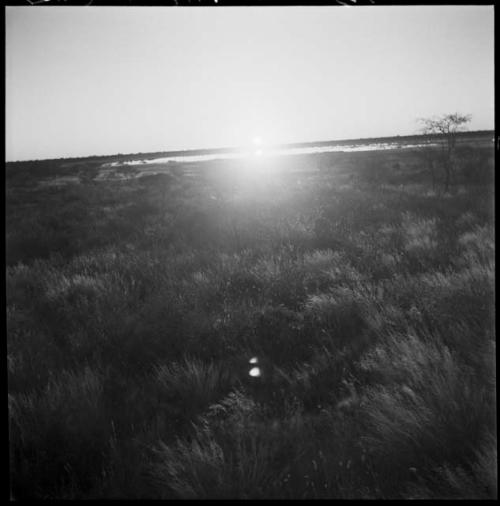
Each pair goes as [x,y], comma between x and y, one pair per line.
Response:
[102,80]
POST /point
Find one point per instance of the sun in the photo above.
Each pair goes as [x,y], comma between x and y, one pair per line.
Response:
[258,146]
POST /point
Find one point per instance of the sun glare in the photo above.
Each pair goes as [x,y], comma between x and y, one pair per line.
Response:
[256,163]
[258,146]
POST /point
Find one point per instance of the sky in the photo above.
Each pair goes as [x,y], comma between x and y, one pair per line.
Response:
[84,81]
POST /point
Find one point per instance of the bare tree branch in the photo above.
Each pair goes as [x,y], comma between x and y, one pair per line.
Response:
[447,125]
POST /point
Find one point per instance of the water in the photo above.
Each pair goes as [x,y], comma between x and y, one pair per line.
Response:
[270,152]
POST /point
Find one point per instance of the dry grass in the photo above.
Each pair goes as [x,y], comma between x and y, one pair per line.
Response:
[133,308]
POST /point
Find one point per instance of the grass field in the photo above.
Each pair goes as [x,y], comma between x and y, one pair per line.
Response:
[365,292]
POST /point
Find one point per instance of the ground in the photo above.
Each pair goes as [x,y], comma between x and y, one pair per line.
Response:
[134,305]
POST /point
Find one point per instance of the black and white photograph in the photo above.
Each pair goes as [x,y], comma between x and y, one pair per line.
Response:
[250,251]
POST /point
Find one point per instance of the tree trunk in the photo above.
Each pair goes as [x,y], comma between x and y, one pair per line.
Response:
[447,176]
[449,163]
[433,174]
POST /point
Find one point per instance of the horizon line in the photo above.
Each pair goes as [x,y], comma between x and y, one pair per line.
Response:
[242,147]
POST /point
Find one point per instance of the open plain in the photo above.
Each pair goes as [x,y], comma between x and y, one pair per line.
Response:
[305,326]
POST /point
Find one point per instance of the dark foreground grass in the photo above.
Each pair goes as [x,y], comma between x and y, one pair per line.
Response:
[134,307]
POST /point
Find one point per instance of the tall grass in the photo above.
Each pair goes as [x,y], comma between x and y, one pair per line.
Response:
[365,297]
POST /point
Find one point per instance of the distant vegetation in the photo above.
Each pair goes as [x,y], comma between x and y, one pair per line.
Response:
[448,127]
[365,291]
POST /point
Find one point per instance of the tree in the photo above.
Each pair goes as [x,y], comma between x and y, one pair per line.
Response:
[428,156]
[447,125]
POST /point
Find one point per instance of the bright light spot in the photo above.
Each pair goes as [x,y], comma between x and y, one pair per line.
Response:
[257,141]
[253,360]
[255,371]
[258,152]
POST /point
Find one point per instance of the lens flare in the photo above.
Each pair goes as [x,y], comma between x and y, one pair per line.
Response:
[255,372]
